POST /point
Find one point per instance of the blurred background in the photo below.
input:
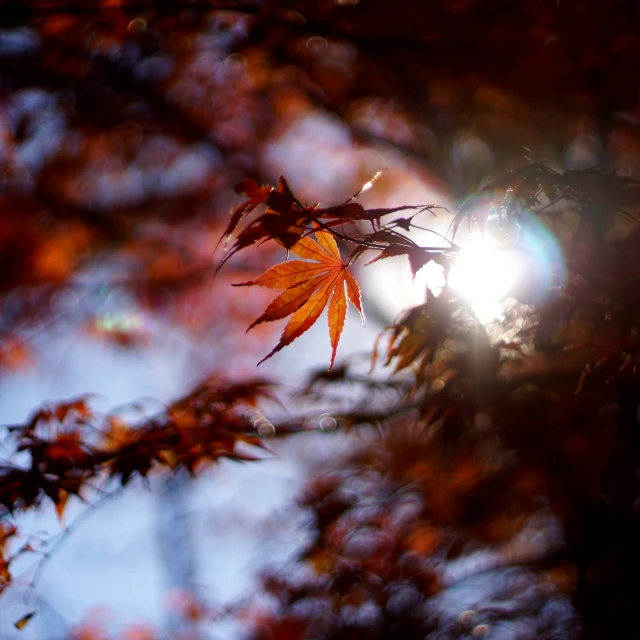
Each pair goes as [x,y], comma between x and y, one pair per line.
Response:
[124,127]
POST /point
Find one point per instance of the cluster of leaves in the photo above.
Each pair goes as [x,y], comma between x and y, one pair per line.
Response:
[388,526]
[477,478]
[324,278]
[488,430]
[68,450]
[95,142]
[598,195]
[309,286]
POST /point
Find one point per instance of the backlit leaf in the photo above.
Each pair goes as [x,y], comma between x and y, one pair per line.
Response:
[308,288]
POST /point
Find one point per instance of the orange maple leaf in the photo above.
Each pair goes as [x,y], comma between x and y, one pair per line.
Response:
[308,287]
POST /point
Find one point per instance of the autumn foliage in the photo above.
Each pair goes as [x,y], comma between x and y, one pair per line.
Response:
[323,279]
[308,288]
[474,430]
[491,484]
[487,422]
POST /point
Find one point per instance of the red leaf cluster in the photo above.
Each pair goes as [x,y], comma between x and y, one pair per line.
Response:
[310,286]
[70,448]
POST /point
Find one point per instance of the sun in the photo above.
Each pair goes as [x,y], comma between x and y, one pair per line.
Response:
[483,274]
[525,263]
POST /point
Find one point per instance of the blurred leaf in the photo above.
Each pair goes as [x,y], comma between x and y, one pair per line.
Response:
[22,622]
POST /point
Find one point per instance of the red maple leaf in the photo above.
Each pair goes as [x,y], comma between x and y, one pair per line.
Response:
[308,288]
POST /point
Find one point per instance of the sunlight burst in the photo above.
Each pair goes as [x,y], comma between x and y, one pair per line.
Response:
[483,273]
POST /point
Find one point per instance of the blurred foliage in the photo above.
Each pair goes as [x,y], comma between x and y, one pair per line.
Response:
[504,458]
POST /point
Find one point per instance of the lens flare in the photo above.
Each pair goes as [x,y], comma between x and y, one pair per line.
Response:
[523,260]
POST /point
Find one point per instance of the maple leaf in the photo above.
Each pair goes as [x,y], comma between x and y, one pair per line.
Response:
[308,288]
[257,195]
[283,221]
